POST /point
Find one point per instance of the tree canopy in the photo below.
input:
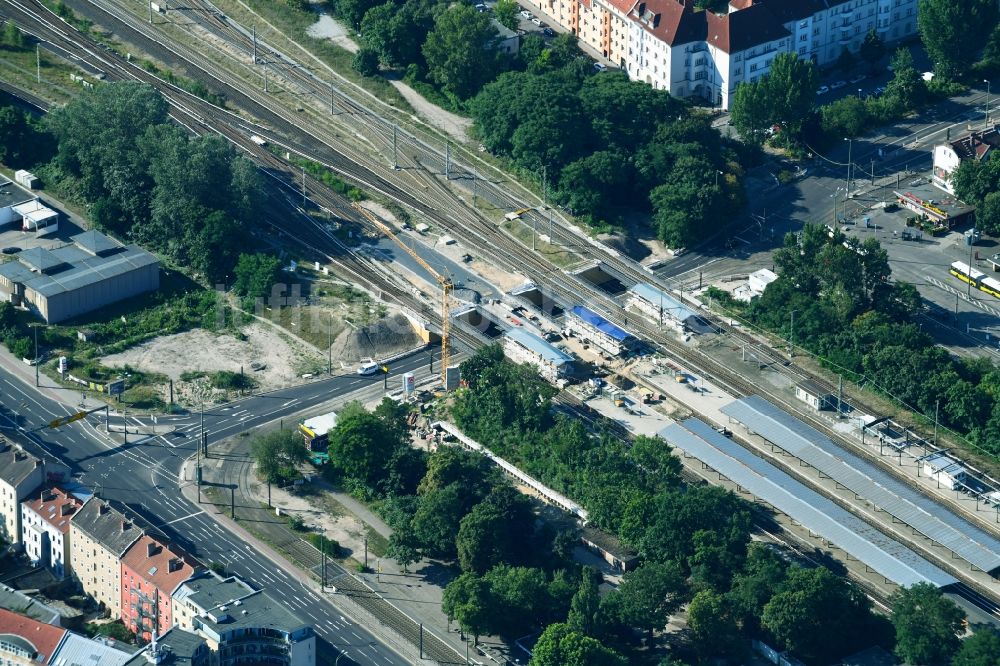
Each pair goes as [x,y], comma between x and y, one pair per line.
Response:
[954,32]
[561,646]
[461,50]
[927,625]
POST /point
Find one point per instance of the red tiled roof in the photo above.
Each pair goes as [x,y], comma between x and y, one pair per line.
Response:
[976,144]
[673,21]
[56,507]
[151,560]
[44,637]
[624,6]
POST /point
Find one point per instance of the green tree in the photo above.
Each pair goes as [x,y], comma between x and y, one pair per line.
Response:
[751,112]
[276,454]
[872,50]
[352,11]
[461,51]
[365,61]
[927,625]
[403,547]
[255,274]
[845,61]
[397,33]
[506,13]
[907,88]
[520,598]
[12,36]
[714,631]
[954,32]
[497,530]
[592,186]
[790,88]
[845,117]
[980,649]
[436,521]
[584,608]
[16,136]
[362,444]
[649,594]
[817,615]
[561,646]
[762,576]
[467,600]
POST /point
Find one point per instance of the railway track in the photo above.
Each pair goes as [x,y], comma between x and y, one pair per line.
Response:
[475,229]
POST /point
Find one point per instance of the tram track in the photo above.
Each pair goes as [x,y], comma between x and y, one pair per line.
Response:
[200,116]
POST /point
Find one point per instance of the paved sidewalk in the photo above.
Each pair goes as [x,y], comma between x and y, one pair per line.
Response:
[401,601]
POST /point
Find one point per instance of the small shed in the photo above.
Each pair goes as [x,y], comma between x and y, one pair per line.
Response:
[316,429]
[758,280]
[944,469]
[816,395]
[609,548]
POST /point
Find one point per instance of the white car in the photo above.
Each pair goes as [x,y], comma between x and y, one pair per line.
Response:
[368,368]
[600,66]
[822,90]
[537,21]
[525,14]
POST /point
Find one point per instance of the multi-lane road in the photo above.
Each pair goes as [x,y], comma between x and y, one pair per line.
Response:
[145,475]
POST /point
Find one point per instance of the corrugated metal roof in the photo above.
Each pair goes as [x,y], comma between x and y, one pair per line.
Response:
[539,346]
[818,514]
[660,298]
[39,259]
[600,323]
[868,481]
[94,242]
[86,269]
[77,650]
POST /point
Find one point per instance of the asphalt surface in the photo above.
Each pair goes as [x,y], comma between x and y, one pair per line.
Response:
[902,151]
[144,476]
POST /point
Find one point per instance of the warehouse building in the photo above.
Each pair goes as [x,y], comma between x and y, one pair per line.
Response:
[77,278]
[596,329]
[521,346]
[660,306]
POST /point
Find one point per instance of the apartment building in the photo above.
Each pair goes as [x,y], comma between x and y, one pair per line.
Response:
[20,475]
[673,46]
[27,642]
[45,532]
[151,573]
[242,625]
[100,537]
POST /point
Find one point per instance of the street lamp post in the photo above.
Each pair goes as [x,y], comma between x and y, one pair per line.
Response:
[791,335]
[850,149]
[987,102]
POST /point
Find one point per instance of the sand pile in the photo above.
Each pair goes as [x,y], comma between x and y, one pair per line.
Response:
[388,336]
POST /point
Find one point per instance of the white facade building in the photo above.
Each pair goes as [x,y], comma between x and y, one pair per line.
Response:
[521,346]
[948,156]
[673,46]
[45,524]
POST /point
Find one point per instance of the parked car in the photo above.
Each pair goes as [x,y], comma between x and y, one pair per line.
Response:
[482,8]
[11,250]
[600,66]
[548,32]
[537,21]
[525,14]
[838,84]
[859,78]
[822,90]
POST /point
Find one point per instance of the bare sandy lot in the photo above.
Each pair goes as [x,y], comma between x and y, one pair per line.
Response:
[200,350]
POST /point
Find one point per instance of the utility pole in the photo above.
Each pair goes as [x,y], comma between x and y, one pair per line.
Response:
[332,93]
[150,12]
[303,186]
[534,231]
[232,501]
[850,149]
[201,442]
[395,160]
[269,493]
[791,337]
[873,172]
[972,240]
[937,403]
[421,640]
[254,28]
[125,424]
[366,553]
[265,76]
[329,349]
[38,61]
[36,354]
[987,124]
[447,161]
[475,187]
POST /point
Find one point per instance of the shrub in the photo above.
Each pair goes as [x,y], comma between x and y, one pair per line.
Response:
[296,523]
[365,62]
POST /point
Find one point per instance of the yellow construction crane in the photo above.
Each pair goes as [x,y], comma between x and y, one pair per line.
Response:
[446,286]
